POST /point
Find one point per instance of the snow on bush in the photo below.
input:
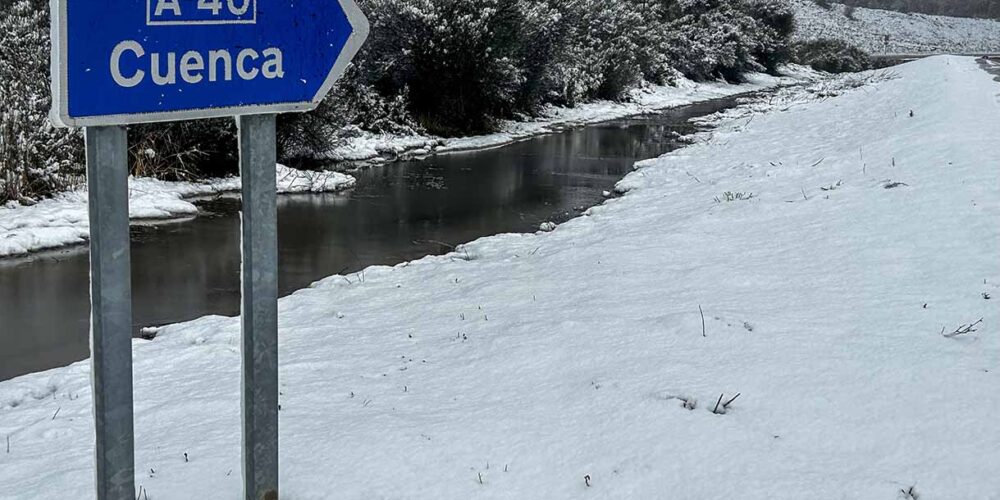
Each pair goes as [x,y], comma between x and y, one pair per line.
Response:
[465,64]
[832,56]
[36,159]
[726,39]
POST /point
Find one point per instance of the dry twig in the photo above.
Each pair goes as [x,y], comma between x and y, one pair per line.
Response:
[962,330]
[704,333]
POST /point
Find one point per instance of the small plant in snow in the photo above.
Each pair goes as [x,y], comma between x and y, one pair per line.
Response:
[730,196]
[687,402]
[909,493]
[720,407]
[962,330]
[462,253]
[832,187]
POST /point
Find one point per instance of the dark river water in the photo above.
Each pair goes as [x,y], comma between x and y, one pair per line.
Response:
[398,212]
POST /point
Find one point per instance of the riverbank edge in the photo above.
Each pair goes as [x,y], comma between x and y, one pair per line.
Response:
[61,222]
[369,149]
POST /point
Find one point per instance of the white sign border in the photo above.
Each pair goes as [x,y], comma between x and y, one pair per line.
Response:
[60,74]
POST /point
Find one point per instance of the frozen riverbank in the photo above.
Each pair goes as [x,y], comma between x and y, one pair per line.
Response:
[376,148]
[63,220]
[829,236]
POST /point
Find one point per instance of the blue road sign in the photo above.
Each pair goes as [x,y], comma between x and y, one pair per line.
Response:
[116,62]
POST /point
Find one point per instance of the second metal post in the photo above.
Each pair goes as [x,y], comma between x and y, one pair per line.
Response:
[111,312]
[259,318]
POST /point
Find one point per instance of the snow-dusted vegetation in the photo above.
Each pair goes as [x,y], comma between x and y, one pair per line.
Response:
[444,67]
[831,55]
[452,67]
[888,32]
[36,159]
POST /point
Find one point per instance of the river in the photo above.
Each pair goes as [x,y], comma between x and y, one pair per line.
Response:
[401,211]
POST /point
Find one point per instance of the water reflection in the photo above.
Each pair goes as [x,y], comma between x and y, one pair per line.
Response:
[398,212]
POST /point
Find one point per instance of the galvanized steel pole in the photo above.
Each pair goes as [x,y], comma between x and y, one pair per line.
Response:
[259,319]
[111,311]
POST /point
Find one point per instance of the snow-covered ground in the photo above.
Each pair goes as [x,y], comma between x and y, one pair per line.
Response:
[369,147]
[907,33]
[527,366]
[62,220]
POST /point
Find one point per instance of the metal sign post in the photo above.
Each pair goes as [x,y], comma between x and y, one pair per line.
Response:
[259,319]
[140,61]
[111,311]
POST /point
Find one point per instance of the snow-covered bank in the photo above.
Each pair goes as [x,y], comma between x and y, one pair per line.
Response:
[888,32]
[63,221]
[523,364]
[368,147]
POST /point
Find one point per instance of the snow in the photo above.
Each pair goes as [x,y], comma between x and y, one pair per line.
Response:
[370,147]
[63,220]
[908,33]
[522,364]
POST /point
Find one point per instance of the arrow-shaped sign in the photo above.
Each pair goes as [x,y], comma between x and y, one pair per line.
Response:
[117,62]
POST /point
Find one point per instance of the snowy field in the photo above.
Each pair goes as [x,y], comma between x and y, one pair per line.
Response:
[63,220]
[908,33]
[834,242]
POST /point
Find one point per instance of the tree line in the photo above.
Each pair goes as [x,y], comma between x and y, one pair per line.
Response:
[447,67]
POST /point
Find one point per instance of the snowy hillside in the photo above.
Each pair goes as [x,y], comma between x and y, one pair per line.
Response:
[908,33]
[836,242]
